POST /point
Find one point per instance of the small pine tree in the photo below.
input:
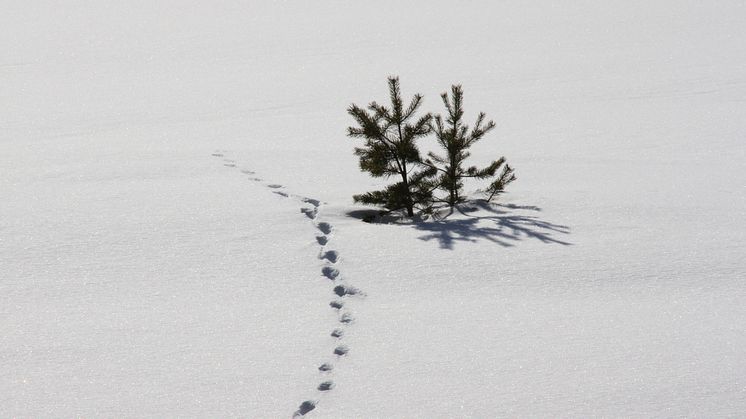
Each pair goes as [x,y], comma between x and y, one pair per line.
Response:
[391,149]
[456,139]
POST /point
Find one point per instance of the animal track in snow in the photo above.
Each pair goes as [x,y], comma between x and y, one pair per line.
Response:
[305,407]
[310,208]
[326,386]
[330,255]
[325,228]
[314,202]
[325,367]
[346,318]
[310,213]
[329,272]
[342,290]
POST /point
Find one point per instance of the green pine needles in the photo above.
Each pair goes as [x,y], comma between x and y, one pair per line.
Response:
[455,138]
[390,149]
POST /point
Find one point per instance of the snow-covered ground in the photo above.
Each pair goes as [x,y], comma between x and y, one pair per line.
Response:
[176,211]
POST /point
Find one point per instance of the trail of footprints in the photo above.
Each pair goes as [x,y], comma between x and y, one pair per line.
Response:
[310,209]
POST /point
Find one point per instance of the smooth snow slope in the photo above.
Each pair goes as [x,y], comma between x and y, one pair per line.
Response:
[142,276]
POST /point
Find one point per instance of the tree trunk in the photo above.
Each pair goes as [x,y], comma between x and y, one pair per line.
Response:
[452,185]
[408,198]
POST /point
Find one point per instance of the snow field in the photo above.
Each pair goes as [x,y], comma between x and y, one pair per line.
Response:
[142,276]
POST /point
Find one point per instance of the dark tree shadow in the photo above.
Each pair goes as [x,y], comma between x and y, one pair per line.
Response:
[499,224]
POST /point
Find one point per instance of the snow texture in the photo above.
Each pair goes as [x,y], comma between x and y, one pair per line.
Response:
[177,236]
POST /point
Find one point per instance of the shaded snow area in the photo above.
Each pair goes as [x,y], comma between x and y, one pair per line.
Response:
[177,233]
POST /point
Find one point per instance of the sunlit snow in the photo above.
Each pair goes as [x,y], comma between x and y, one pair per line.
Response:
[178,238]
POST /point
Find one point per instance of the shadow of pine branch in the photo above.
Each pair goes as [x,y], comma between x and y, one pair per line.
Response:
[501,226]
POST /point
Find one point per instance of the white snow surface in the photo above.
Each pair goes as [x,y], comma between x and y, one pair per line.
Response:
[156,157]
